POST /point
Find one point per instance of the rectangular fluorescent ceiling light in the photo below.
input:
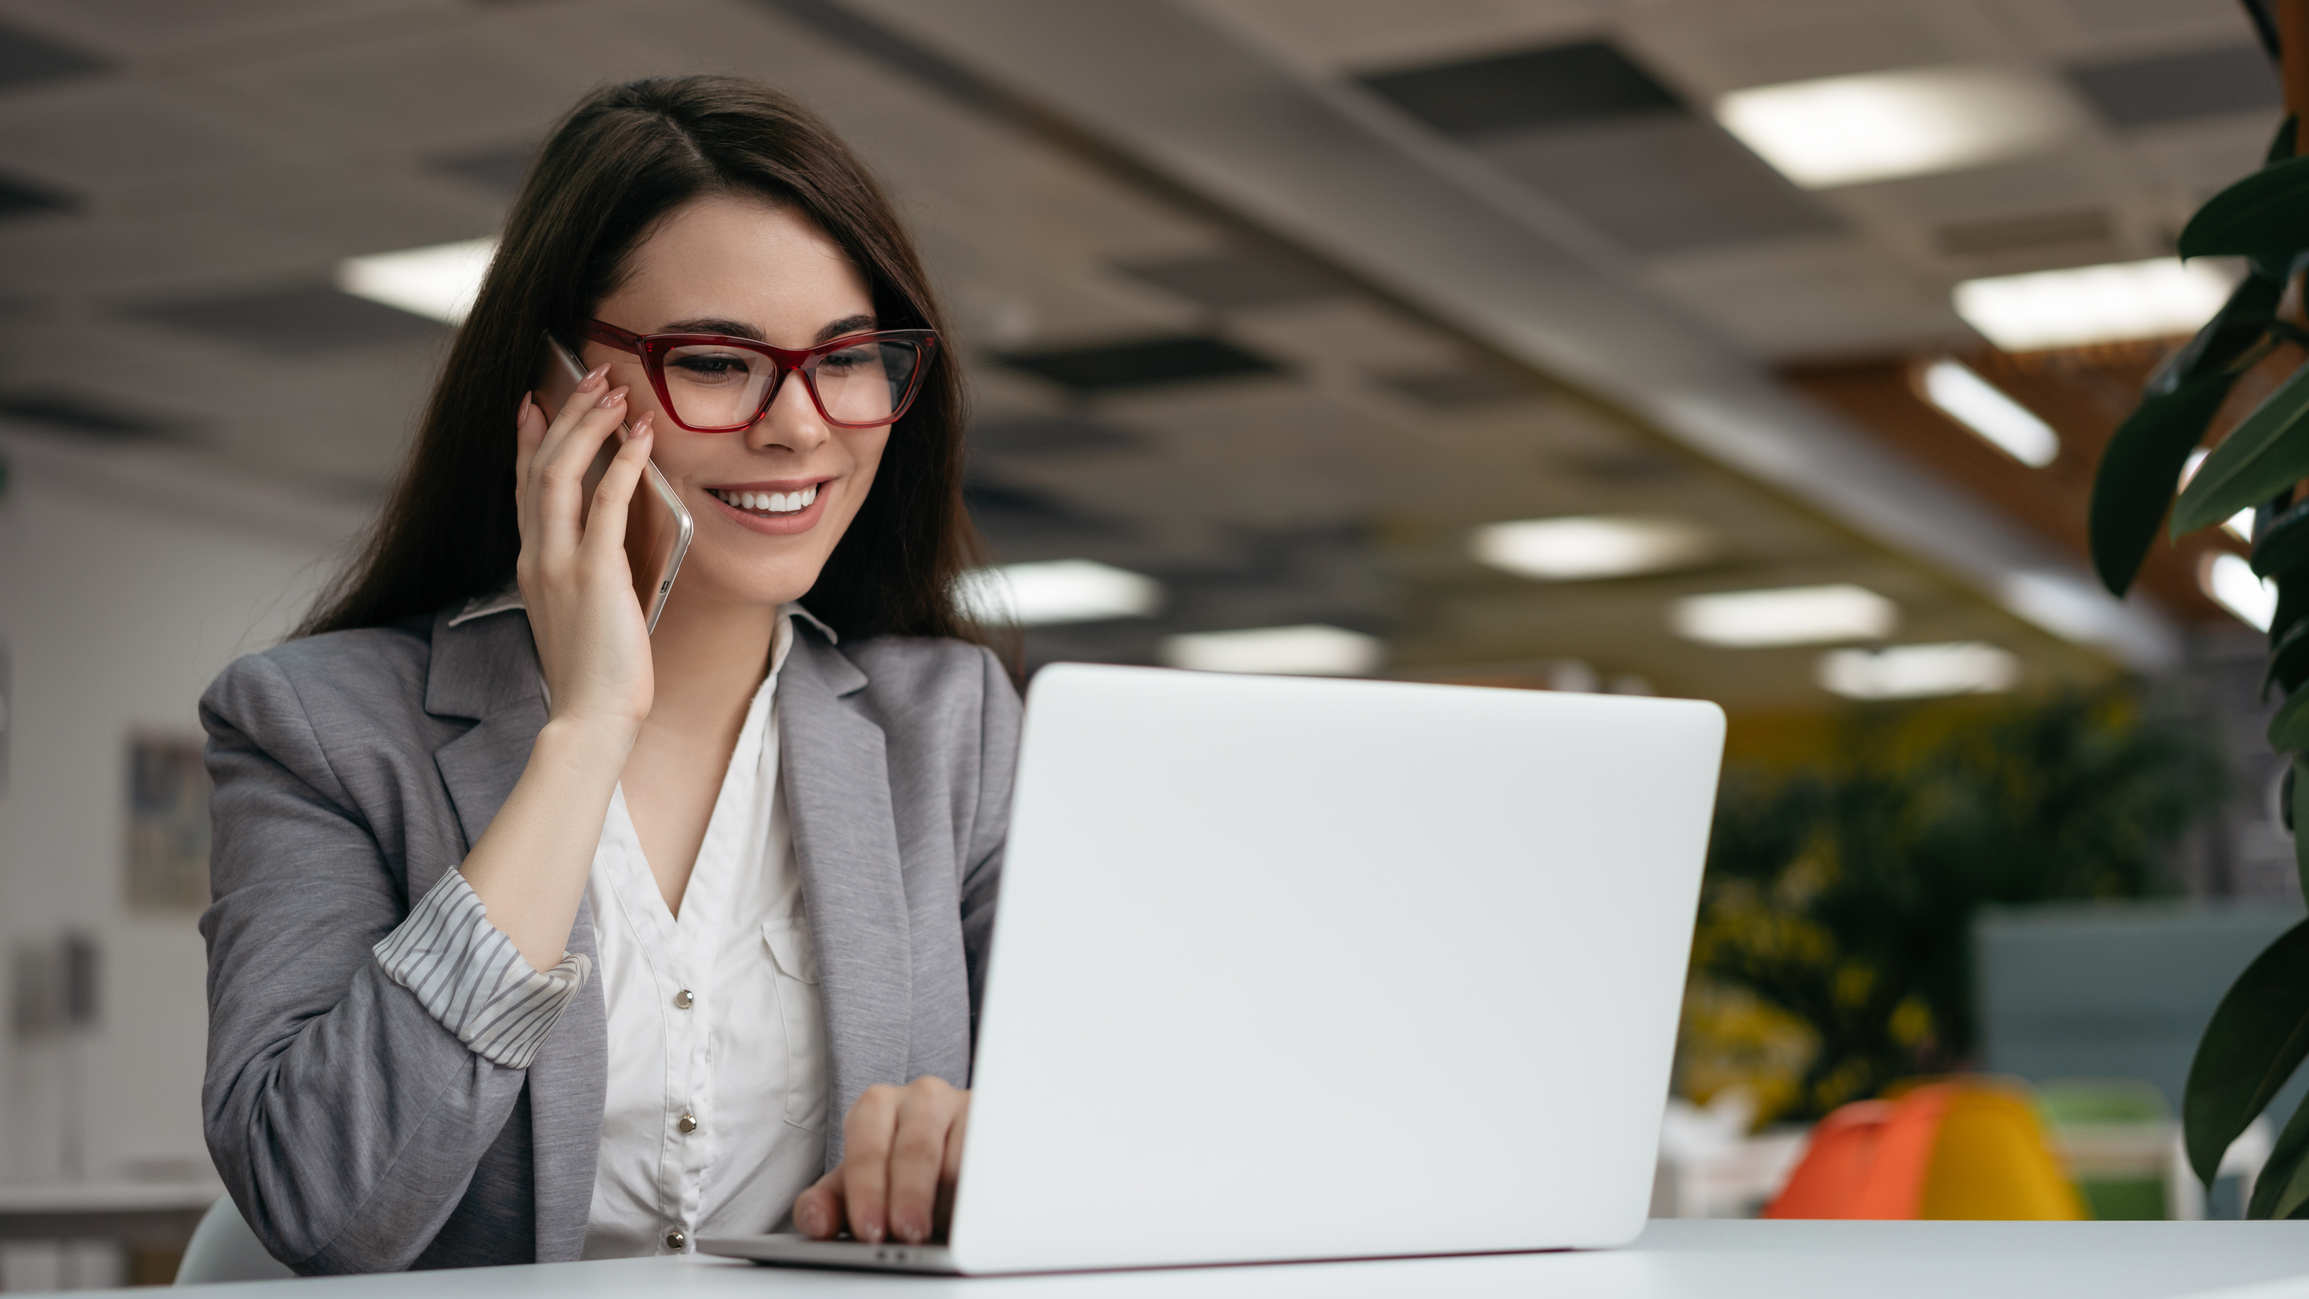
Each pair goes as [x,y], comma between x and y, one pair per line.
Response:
[2233,585]
[1918,671]
[1590,546]
[1313,649]
[2000,421]
[2094,304]
[438,282]
[1883,125]
[1789,615]
[1057,591]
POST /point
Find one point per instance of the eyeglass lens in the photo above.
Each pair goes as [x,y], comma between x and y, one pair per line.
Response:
[715,385]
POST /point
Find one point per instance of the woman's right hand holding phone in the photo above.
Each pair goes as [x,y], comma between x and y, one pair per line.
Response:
[529,867]
[592,640]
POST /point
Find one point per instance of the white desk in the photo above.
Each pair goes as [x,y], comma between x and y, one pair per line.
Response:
[1676,1259]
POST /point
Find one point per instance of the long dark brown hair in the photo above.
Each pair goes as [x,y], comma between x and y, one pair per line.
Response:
[621,161]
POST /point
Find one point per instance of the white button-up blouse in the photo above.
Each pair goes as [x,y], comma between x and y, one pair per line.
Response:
[717,1104]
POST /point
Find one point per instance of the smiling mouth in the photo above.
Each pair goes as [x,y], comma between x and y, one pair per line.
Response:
[767,503]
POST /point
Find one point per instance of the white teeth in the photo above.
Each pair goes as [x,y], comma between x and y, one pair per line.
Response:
[771,502]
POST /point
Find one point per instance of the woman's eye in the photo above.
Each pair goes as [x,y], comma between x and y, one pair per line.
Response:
[709,368]
[847,360]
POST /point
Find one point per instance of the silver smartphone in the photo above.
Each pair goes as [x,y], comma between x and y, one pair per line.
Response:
[658,526]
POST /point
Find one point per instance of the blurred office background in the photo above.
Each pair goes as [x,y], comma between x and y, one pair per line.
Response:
[1751,350]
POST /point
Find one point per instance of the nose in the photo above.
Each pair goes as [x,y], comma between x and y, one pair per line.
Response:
[792,421]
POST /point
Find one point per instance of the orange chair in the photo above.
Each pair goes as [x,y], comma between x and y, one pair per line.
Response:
[1964,1149]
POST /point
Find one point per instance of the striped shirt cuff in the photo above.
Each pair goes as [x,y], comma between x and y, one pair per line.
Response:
[469,975]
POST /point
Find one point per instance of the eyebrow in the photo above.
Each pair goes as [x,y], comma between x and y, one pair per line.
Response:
[740,329]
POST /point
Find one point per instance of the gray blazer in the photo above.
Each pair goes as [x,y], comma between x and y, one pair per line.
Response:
[354,1131]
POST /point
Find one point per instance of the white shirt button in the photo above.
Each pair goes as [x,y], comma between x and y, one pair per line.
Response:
[675,1239]
[688,1124]
[683,1000]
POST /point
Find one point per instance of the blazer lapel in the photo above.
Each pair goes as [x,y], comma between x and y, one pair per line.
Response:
[486,669]
[837,786]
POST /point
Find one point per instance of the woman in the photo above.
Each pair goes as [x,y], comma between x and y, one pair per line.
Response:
[538,936]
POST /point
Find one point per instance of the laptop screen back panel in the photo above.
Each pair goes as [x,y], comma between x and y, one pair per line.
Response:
[1325,969]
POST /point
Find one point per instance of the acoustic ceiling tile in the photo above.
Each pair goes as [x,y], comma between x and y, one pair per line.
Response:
[1660,183]
[1356,33]
[1714,48]
[1832,298]
[450,87]
[143,27]
[110,136]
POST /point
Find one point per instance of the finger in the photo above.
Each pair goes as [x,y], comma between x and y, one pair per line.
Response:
[528,431]
[866,1139]
[950,1175]
[562,469]
[561,423]
[605,525]
[917,1157]
[818,1210]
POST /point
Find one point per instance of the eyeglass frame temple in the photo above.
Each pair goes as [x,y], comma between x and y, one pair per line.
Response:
[789,361]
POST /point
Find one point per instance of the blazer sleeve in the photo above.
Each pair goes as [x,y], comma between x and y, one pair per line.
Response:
[999,719]
[343,1116]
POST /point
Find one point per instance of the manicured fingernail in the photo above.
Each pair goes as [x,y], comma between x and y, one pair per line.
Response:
[594,378]
[911,1230]
[872,1233]
[813,1223]
[613,397]
[643,427]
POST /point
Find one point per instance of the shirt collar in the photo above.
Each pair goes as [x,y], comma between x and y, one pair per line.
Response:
[509,597]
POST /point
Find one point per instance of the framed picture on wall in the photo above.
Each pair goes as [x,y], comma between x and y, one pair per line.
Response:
[167,822]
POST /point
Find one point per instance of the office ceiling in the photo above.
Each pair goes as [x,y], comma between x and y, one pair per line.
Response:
[1163,381]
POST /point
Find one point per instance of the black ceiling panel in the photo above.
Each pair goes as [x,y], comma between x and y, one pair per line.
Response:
[20,198]
[1661,184]
[1143,363]
[497,171]
[28,57]
[2179,87]
[70,413]
[1044,434]
[1237,279]
[1022,524]
[1457,389]
[1558,85]
[296,321]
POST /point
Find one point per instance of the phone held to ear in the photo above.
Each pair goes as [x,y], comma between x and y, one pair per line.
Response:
[657,525]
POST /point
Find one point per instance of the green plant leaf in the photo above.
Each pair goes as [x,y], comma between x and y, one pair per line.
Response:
[2289,657]
[2296,789]
[2266,453]
[2281,541]
[2257,1038]
[2289,729]
[2235,327]
[2282,1189]
[2138,472]
[2292,603]
[2263,215]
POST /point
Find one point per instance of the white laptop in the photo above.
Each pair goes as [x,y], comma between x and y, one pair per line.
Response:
[1292,969]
